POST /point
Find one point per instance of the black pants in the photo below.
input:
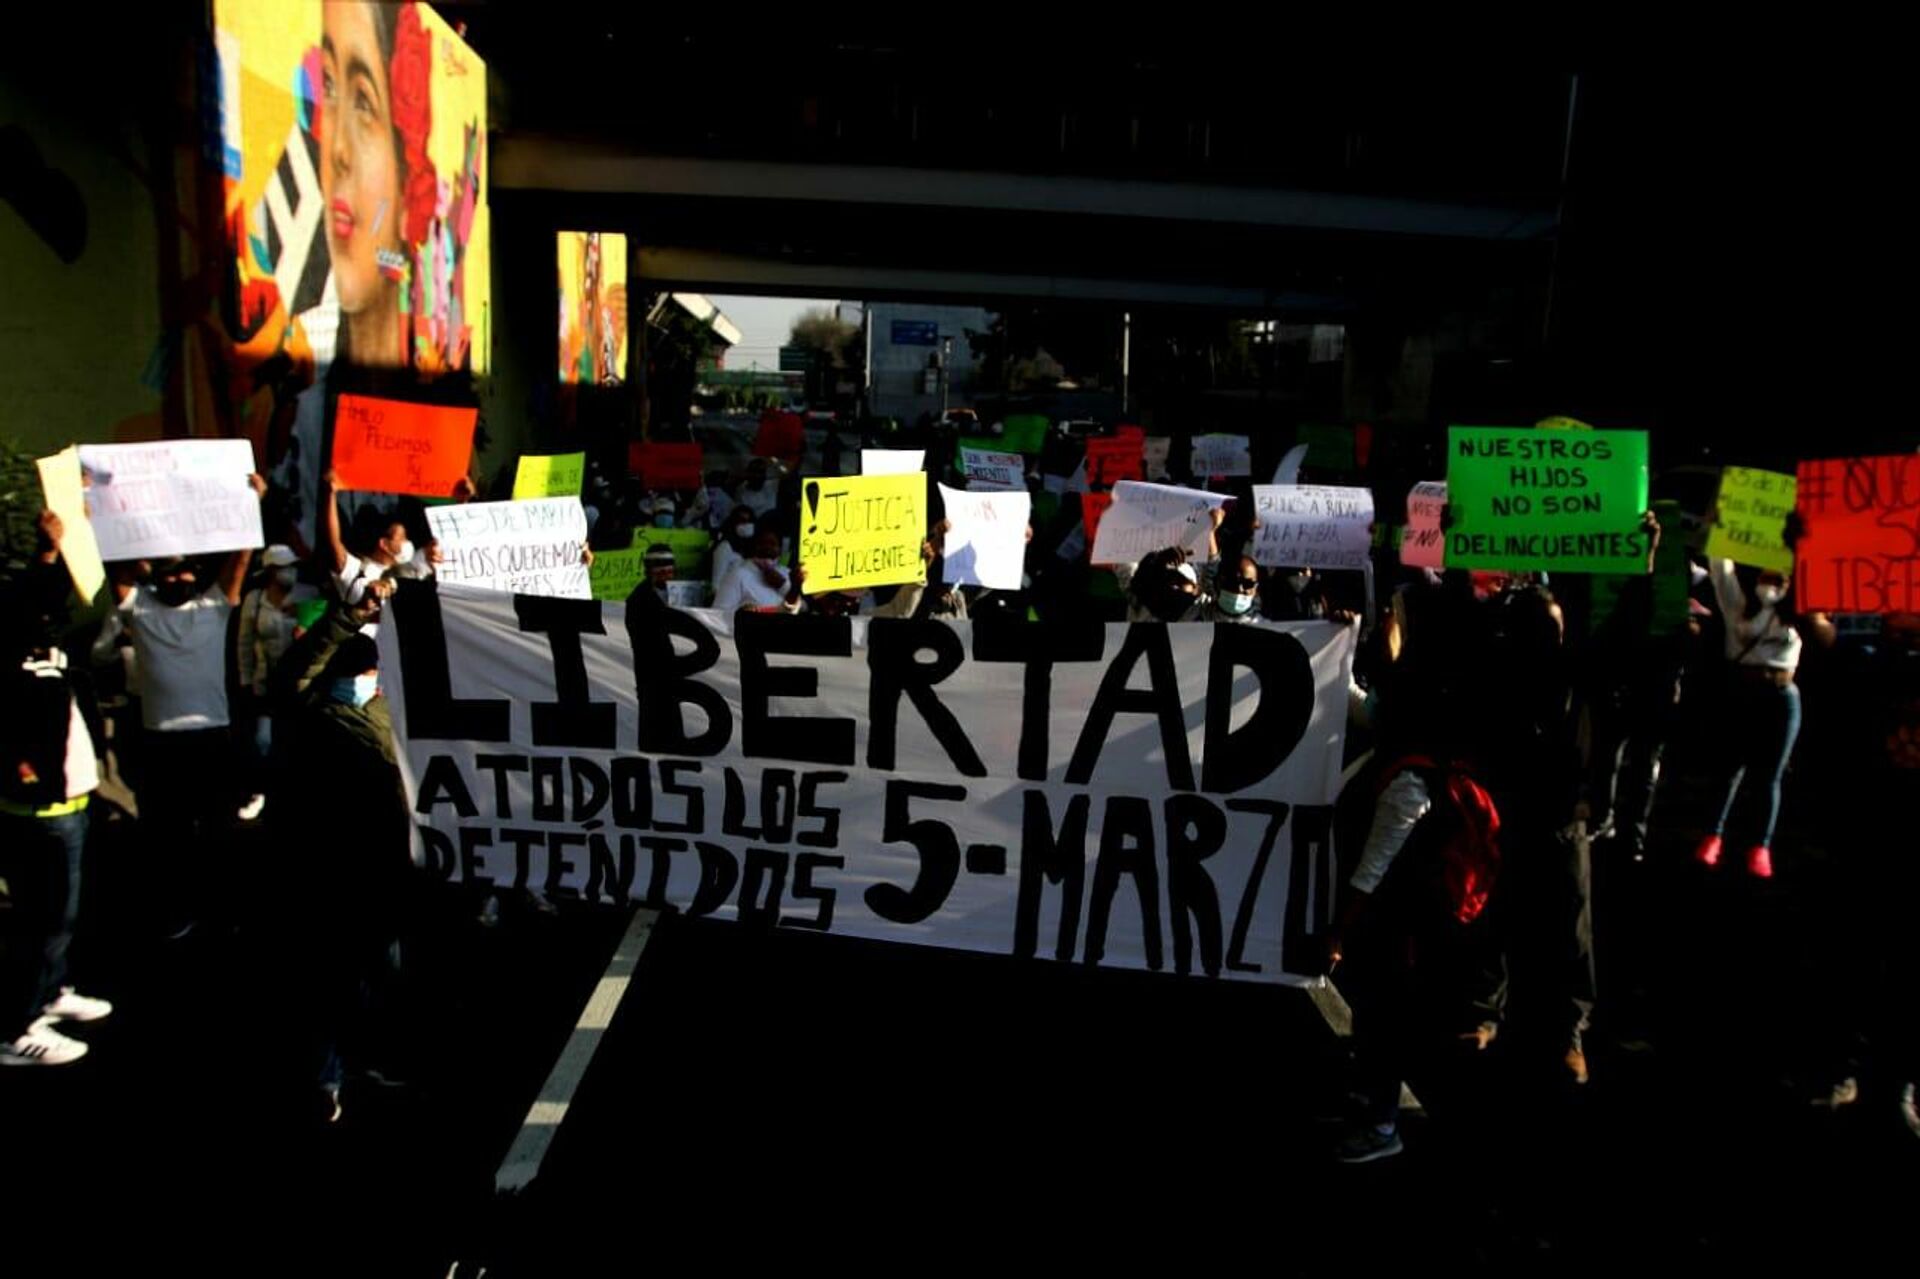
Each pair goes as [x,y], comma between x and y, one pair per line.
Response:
[1632,720]
[187,805]
[1542,973]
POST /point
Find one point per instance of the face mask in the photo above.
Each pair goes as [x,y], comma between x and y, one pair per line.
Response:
[1770,595]
[663,519]
[1297,582]
[286,576]
[357,690]
[176,591]
[404,553]
[1236,604]
[743,533]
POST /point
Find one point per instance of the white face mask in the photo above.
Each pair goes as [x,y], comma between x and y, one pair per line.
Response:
[744,532]
[403,554]
[1770,595]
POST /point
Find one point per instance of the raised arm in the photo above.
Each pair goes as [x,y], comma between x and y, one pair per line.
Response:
[233,573]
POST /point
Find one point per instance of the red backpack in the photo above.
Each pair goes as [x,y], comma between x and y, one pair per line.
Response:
[1470,853]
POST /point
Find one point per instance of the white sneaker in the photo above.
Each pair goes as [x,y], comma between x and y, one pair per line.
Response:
[252,809]
[42,1045]
[74,1006]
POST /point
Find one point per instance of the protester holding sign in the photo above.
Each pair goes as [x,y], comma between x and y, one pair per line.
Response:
[758,583]
[179,629]
[1546,501]
[1763,643]
[384,548]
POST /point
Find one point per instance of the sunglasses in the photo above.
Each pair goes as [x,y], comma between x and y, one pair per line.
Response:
[1240,584]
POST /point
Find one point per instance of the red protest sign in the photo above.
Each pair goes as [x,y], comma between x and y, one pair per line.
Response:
[666,466]
[1126,431]
[781,435]
[1861,548]
[1092,507]
[392,446]
[1110,460]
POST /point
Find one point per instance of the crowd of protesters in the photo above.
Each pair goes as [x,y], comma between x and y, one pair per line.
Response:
[1516,732]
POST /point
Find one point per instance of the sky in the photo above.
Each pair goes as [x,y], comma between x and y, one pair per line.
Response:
[764,324]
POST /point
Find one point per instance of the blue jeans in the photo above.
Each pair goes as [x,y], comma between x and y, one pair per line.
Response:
[1761,729]
[40,860]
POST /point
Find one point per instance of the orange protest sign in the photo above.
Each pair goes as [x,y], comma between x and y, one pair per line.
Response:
[1112,460]
[666,466]
[1861,549]
[392,446]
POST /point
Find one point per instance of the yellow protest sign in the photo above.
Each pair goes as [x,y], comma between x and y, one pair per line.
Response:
[60,481]
[1753,510]
[552,475]
[863,530]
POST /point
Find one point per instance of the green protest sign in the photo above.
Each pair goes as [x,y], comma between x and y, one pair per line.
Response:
[1523,500]
[689,546]
[614,574]
[1753,510]
[1023,433]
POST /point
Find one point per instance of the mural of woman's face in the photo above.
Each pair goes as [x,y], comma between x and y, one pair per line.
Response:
[360,178]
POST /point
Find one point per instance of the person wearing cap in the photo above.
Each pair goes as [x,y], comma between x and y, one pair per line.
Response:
[266,633]
[658,563]
[179,628]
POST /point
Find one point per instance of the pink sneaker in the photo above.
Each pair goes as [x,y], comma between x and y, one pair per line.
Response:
[1760,862]
[1708,854]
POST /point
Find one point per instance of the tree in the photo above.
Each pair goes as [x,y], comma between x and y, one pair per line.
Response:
[821,330]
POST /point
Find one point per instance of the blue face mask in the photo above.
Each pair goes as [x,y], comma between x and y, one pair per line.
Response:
[356,690]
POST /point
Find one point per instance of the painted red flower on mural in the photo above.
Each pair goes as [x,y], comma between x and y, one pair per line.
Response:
[410,78]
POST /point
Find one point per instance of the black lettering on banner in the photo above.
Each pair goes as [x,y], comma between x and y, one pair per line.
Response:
[575,719]
[1161,699]
[438,852]
[603,880]
[549,789]
[776,805]
[767,867]
[733,809]
[633,792]
[1196,830]
[472,840]
[1060,859]
[558,867]
[809,739]
[694,799]
[1038,647]
[523,842]
[663,850]
[589,789]
[500,766]
[1126,848]
[426,670]
[441,782]
[719,872]
[827,834]
[1238,759]
[804,890]
[1310,835]
[664,683]
[933,840]
[1243,917]
[893,667]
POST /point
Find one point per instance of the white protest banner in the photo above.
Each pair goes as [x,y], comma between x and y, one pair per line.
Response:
[1155,453]
[1221,455]
[171,497]
[1424,545]
[1312,526]
[529,548]
[688,594]
[1145,518]
[814,773]
[994,472]
[892,461]
[986,543]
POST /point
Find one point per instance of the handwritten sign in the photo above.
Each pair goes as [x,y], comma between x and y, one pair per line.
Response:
[1861,552]
[392,446]
[1221,455]
[1312,526]
[892,461]
[529,548]
[986,543]
[614,574]
[1560,501]
[690,547]
[862,530]
[1145,518]
[993,472]
[172,497]
[666,466]
[550,475]
[1024,433]
[1424,545]
[1111,460]
[79,549]
[1753,508]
